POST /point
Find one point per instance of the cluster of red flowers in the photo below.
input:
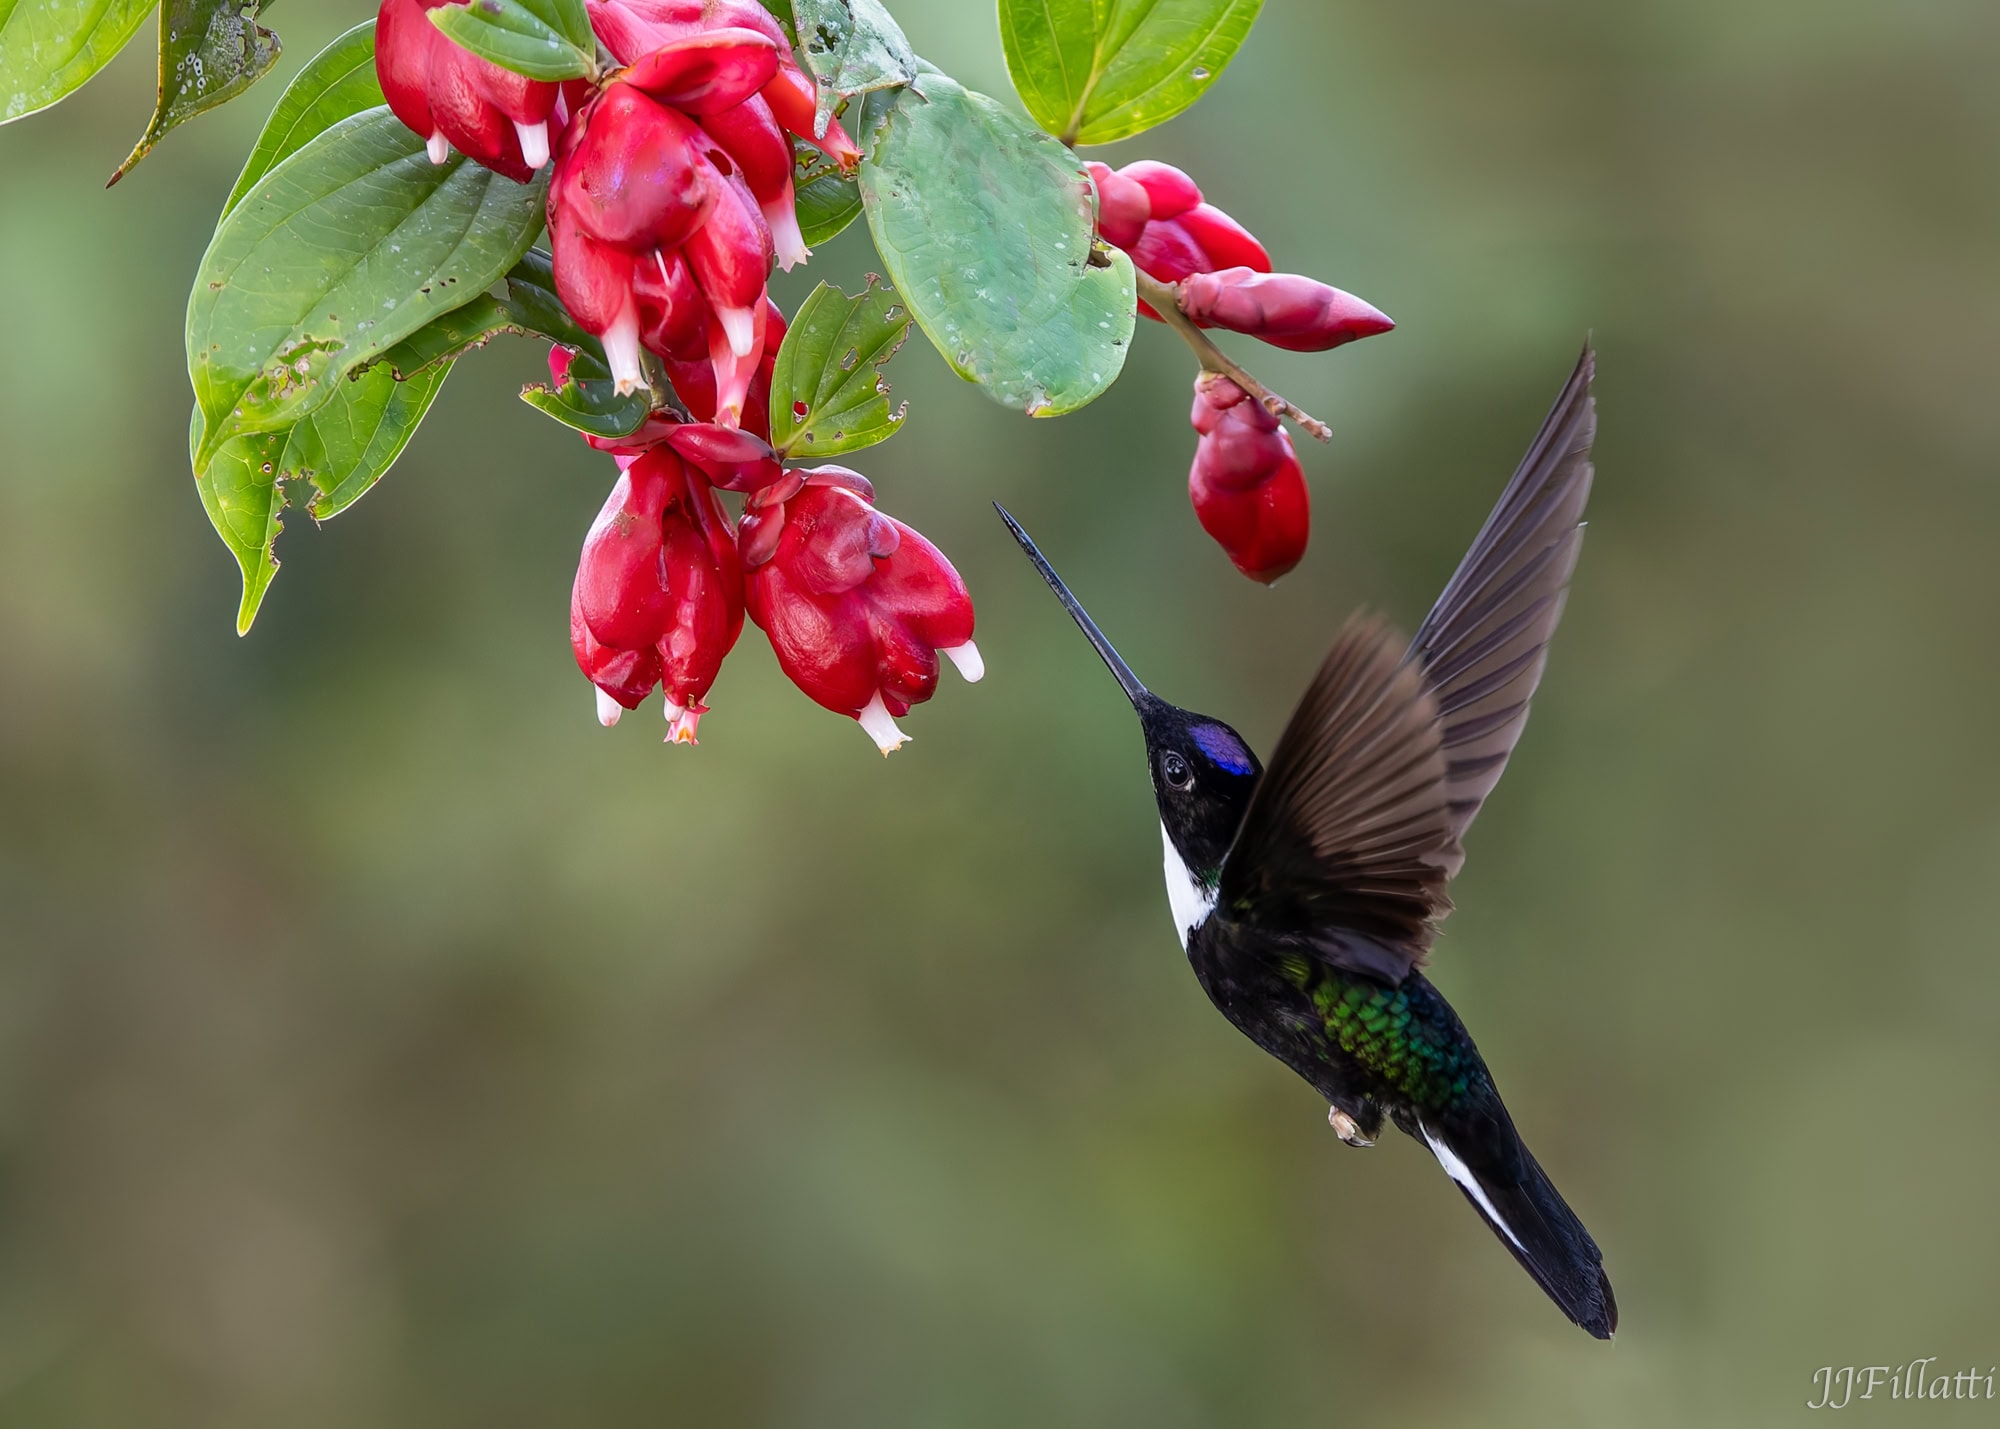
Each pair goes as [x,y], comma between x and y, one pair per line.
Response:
[1248,489]
[670,202]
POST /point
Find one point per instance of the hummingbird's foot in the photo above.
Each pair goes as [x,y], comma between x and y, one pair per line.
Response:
[1346,1127]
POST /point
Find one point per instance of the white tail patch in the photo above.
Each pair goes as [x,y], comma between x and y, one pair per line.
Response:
[1461,1173]
[1191,901]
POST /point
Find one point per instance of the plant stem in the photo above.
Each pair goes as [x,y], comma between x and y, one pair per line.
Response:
[1165,299]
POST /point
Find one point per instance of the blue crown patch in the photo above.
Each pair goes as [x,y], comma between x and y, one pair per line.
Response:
[1224,748]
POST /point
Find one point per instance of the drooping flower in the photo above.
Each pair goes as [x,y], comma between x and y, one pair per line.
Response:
[857,605]
[455,99]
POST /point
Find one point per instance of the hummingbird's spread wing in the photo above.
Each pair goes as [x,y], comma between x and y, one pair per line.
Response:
[1356,826]
[1339,846]
[1483,645]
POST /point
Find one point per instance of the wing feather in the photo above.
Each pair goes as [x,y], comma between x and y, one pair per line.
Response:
[1338,845]
[1357,824]
[1485,642]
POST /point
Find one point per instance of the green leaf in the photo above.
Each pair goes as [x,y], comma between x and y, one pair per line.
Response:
[1098,70]
[335,256]
[542,39]
[341,450]
[589,402]
[210,52]
[530,308]
[985,224]
[827,394]
[852,47]
[827,199]
[447,338]
[50,47]
[336,82]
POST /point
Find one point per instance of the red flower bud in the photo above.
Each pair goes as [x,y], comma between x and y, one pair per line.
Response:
[1169,192]
[793,99]
[857,605]
[658,599]
[1284,309]
[634,29]
[1123,206]
[730,256]
[1248,489]
[708,72]
[1155,213]
[455,99]
[634,173]
[751,136]
[594,281]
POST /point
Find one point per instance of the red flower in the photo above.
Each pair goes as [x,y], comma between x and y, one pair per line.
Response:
[633,29]
[1248,489]
[455,99]
[857,605]
[656,238]
[658,599]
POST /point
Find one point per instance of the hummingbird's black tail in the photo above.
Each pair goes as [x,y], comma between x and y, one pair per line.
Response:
[1515,1198]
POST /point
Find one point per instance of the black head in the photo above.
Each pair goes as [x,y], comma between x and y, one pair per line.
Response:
[1202,770]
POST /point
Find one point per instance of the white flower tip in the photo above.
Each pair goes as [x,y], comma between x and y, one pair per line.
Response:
[438,147]
[621,351]
[739,325]
[608,710]
[786,240]
[966,657]
[534,143]
[880,726]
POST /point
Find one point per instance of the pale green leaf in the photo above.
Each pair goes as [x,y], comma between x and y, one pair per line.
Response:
[852,47]
[986,226]
[50,47]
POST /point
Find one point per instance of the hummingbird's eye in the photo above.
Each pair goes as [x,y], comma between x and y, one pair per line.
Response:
[1175,771]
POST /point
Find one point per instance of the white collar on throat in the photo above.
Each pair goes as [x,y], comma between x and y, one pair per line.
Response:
[1191,901]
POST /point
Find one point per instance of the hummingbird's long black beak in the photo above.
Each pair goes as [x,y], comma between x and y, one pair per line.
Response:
[1128,681]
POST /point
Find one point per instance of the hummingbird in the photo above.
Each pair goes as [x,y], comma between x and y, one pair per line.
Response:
[1307,893]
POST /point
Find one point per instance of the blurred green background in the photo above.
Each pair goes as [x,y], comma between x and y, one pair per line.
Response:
[384,1043]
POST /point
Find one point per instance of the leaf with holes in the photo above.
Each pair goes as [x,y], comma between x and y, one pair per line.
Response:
[341,450]
[1098,70]
[336,82]
[827,393]
[986,226]
[588,401]
[852,47]
[50,47]
[210,52]
[335,256]
[542,39]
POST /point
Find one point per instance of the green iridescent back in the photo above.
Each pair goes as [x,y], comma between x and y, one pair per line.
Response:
[1405,1035]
